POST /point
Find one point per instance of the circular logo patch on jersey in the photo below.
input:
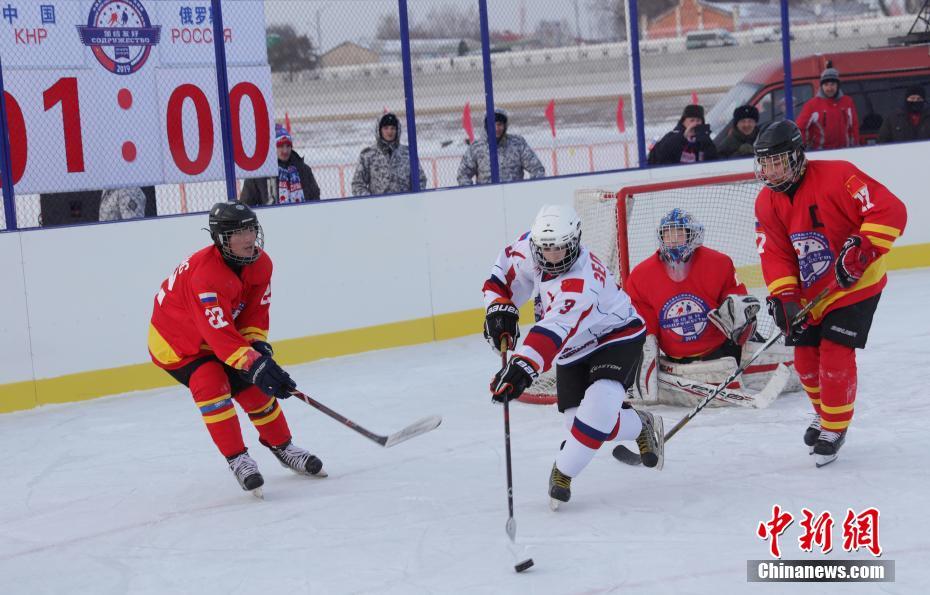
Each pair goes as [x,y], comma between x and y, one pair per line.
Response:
[685,315]
[814,255]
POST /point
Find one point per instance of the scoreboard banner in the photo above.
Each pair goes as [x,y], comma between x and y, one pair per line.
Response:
[109,93]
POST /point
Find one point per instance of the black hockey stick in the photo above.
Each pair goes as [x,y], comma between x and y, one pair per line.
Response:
[511,522]
[629,456]
[413,430]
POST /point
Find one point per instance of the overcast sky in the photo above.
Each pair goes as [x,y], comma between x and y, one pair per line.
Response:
[342,20]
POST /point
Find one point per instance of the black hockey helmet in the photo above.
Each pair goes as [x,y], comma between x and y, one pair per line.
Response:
[779,151]
[227,218]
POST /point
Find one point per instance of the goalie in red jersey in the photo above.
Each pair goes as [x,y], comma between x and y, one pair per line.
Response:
[700,316]
[823,225]
[209,331]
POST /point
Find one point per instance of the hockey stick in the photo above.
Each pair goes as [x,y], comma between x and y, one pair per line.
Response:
[758,400]
[522,565]
[413,430]
[722,386]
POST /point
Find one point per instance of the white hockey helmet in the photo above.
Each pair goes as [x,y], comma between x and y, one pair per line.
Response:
[556,228]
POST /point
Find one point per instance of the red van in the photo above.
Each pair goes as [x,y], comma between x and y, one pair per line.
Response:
[875,79]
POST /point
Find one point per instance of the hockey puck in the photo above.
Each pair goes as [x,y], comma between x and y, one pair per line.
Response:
[524,565]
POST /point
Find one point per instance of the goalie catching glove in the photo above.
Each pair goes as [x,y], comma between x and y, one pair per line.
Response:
[736,317]
[510,382]
[502,319]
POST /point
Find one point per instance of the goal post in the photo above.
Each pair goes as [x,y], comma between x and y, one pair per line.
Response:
[620,227]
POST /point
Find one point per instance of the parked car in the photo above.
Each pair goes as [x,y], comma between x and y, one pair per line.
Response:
[710,38]
[874,78]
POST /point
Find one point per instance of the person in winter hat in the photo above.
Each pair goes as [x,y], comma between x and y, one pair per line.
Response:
[294,183]
[688,142]
[514,156]
[384,167]
[910,123]
[738,141]
[829,119]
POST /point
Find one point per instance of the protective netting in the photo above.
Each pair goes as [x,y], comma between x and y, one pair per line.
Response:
[725,208]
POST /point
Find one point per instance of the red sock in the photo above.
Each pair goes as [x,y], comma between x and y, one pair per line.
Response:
[838,383]
[266,414]
[807,364]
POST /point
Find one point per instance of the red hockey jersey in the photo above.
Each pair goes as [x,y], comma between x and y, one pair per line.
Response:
[204,308]
[800,238]
[676,313]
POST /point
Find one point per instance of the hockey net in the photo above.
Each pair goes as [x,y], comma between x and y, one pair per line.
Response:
[620,227]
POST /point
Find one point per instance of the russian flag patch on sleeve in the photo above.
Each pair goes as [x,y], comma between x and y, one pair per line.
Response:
[208,299]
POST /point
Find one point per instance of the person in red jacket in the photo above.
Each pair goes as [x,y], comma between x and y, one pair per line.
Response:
[209,331]
[822,225]
[829,119]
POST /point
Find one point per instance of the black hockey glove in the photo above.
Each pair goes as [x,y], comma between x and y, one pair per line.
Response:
[271,378]
[263,348]
[783,309]
[510,382]
[502,319]
[855,257]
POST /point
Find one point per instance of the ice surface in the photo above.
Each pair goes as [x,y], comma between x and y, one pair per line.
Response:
[128,494]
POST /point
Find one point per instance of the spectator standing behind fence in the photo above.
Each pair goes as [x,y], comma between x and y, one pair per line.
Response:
[513,156]
[738,142]
[384,167]
[688,142]
[912,122]
[294,182]
[829,119]
[117,204]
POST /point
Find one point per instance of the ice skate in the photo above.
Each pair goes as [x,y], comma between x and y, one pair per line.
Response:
[812,433]
[560,488]
[246,472]
[298,460]
[828,446]
[651,440]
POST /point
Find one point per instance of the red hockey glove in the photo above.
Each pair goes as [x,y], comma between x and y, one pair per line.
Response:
[510,382]
[784,308]
[855,257]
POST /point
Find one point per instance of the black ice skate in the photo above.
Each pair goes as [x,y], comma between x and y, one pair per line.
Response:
[812,433]
[560,488]
[828,446]
[651,440]
[298,460]
[246,472]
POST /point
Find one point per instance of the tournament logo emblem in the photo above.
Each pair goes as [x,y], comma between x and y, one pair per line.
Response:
[685,315]
[814,255]
[120,34]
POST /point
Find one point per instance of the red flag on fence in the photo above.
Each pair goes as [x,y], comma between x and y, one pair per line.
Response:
[287,122]
[466,122]
[550,115]
[694,99]
[621,123]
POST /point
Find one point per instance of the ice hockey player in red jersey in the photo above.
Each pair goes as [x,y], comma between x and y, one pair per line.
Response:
[698,312]
[589,329]
[209,330]
[822,224]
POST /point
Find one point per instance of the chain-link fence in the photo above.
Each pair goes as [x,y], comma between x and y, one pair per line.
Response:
[116,103]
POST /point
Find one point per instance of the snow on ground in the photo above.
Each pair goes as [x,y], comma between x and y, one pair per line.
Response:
[128,495]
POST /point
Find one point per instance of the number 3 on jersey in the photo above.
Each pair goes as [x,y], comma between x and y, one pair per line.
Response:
[215,317]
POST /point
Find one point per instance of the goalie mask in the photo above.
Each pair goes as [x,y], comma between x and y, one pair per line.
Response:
[236,232]
[779,151]
[555,239]
[679,236]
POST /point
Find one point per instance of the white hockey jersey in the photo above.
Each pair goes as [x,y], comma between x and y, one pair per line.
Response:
[582,309]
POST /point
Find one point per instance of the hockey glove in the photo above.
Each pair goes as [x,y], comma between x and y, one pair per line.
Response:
[263,348]
[855,257]
[736,317]
[783,309]
[510,382]
[502,319]
[270,378]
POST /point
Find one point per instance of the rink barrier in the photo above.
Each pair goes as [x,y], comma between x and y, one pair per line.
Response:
[87,343]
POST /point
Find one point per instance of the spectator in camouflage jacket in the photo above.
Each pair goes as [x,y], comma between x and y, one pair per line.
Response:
[384,167]
[513,157]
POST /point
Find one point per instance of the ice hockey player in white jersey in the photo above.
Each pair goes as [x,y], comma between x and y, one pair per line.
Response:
[589,330]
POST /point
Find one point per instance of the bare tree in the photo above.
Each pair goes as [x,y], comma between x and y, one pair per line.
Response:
[444,22]
[289,52]
[611,14]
